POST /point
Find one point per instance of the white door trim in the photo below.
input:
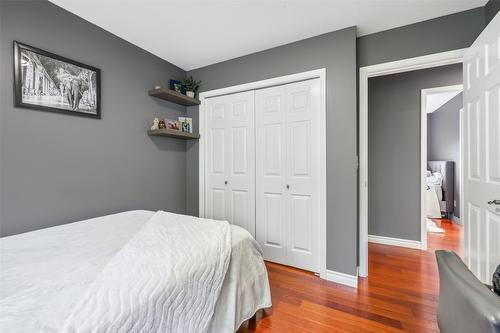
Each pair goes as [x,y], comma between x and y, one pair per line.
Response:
[461,168]
[318,73]
[423,153]
[405,65]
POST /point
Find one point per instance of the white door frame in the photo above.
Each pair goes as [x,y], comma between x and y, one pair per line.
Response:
[461,168]
[423,153]
[314,74]
[400,66]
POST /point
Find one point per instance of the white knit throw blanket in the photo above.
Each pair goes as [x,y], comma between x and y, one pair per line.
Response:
[167,278]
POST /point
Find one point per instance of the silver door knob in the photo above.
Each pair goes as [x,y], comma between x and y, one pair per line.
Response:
[287,186]
[494,202]
[225,182]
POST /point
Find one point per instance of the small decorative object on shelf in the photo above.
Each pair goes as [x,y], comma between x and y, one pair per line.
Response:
[192,86]
[155,125]
[161,124]
[176,85]
[186,124]
[157,87]
[173,124]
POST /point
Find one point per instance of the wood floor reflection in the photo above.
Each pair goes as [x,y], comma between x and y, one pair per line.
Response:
[400,294]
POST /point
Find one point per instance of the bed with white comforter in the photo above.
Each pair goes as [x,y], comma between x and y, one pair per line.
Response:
[137,271]
[433,194]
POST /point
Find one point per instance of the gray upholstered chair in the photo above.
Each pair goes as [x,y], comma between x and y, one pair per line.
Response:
[465,304]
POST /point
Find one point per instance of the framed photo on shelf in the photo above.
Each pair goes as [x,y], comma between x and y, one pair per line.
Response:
[186,124]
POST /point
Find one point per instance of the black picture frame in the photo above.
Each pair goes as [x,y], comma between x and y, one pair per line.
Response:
[61,98]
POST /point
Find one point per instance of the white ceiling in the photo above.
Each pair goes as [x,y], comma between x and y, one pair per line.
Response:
[192,34]
[436,100]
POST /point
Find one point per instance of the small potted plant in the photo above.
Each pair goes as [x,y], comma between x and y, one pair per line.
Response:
[192,86]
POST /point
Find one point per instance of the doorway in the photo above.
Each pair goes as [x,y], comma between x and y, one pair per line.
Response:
[407,65]
[441,111]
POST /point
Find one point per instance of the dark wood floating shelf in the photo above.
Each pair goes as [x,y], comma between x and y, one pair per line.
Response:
[174,134]
[174,97]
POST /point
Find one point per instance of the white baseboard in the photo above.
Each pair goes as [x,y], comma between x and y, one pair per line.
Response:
[412,244]
[456,219]
[342,278]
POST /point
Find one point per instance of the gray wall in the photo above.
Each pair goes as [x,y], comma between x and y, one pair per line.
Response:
[443,139]
[57,168]
[491,9]
[441,34]
[394,148]
[336,52]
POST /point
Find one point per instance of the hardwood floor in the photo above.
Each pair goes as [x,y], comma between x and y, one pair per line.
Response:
[400,294]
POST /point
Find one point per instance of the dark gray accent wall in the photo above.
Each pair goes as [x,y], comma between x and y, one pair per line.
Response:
[57,168]
[443,139]
[394,148]
[491,9]
[336,52]
[451,32]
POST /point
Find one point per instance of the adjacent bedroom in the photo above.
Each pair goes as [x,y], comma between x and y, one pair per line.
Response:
[443,189]
[192,166]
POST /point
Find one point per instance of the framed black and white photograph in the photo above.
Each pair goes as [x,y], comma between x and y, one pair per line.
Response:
[49,82]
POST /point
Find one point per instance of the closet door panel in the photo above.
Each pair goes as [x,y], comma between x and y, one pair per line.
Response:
[241,164]
[217,146]
[302,149]
[300,155]
[216,160]
[230,193]
[218,206]
[273,154]
[239,208]
[240,144]
[271,212]
[300,221]
[273,216]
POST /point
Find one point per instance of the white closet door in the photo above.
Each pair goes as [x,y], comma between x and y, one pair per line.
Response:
[230,185]
[303,142]
[287,173]
[271,212]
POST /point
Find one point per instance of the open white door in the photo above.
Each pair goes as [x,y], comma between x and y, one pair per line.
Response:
[481,147]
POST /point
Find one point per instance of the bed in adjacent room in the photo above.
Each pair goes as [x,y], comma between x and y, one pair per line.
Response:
[439,194]
[440,180]
[136,269]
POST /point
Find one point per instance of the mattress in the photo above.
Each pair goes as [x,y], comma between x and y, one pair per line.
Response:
[432,208]
[45,272]
[445,170]
[435,181]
